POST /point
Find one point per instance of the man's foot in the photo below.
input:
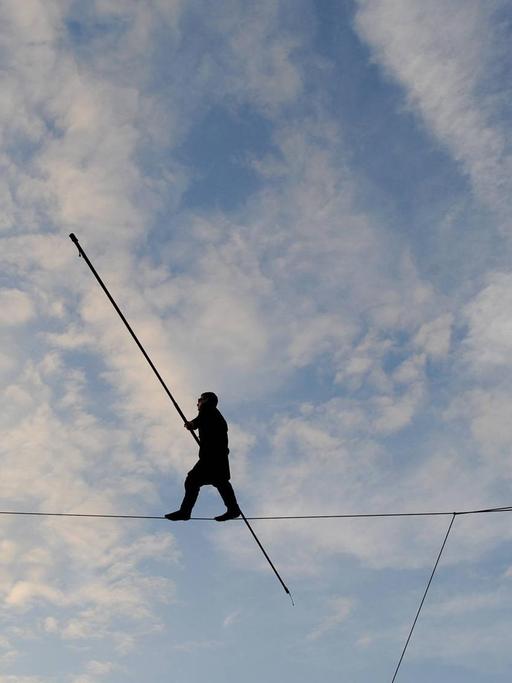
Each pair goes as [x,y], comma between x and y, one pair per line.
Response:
[178,516]
[229,514]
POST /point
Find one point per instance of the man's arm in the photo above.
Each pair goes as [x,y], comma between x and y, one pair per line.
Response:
[193,424]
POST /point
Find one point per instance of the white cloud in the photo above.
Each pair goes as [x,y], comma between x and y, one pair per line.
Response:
[231,618]
[9,657]
[323,334]
[269,75]
[51,625]
[192,646]
[434,336]
[339,610]
[463,604]
[444,54]
[487,414]
[100,668]
[16,307]
[479,649]
[489,339]
[25,591]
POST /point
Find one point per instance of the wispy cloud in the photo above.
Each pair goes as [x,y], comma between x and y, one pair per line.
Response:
[338,611]
[231,618]
[442,55]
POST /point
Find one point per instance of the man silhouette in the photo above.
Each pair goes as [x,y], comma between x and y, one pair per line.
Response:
[213,464]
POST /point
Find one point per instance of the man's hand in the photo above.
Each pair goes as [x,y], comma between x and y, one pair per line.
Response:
[189,426]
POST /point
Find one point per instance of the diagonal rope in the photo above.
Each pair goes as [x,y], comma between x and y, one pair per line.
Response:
[424,596]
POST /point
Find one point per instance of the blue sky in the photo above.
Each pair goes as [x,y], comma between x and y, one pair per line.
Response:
[305,207]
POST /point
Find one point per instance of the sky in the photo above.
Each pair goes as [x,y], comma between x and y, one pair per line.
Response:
[303,206]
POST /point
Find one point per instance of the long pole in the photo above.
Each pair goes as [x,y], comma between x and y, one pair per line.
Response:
[82,253]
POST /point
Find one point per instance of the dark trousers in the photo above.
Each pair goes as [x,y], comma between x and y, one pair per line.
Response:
[196,478]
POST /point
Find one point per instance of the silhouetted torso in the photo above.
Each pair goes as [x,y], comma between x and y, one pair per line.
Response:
[213,438]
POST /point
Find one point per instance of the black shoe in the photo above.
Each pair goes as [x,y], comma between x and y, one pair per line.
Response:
[178,516]
[229,514]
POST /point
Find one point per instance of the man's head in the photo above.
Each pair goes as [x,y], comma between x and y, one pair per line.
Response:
[207,400]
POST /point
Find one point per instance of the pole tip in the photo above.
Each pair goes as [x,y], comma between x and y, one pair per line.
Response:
[73,238]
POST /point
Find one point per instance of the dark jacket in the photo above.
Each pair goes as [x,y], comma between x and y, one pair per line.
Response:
[213,439]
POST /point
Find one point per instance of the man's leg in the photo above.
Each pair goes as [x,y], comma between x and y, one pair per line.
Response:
[193,483]
[228,496]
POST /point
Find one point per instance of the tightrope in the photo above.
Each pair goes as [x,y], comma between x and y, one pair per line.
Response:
[363,515]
